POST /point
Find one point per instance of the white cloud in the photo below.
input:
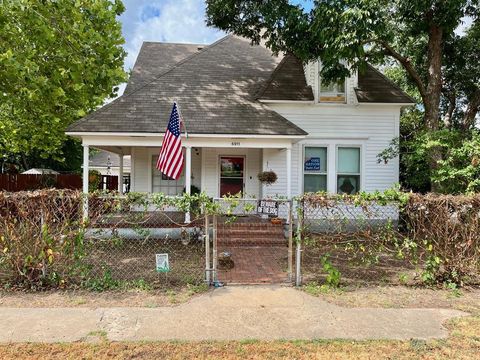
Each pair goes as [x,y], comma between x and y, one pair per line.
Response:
[164,20]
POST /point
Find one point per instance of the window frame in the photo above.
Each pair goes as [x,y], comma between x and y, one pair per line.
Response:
[164,182]
[360,165]
[326,147]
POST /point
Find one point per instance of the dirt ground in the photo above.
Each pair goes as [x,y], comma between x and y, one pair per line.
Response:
[400,297]
[377,296]
[90,299]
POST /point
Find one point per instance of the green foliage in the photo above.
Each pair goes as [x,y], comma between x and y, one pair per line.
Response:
[94,180]
[106,282]
[59,60]
[437,66]
[333,274]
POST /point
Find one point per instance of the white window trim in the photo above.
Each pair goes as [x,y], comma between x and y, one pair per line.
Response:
[331,145]
[361,167]
[151,155]
[318,85]
[303,173]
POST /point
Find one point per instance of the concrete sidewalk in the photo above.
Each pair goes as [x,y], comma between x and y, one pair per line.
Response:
[231,313]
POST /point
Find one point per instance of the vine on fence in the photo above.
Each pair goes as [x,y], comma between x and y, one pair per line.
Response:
[43,243]
[437,232]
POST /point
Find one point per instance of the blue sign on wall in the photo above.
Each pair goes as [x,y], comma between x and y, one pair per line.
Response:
[312,164]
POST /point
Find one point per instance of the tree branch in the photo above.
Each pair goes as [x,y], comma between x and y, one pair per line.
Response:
[405,62]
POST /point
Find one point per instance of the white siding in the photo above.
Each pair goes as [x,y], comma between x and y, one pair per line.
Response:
[369,127]
[211,171]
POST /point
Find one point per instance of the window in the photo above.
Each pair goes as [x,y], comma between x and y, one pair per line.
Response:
[348,170]
[315,169]
[164,184]
[332,92]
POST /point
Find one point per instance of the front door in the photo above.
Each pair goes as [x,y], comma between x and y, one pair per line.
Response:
[232,171]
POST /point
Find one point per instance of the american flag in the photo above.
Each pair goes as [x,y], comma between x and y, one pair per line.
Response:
[170,159]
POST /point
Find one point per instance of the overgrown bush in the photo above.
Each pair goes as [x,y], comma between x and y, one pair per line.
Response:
[41,240]
[447,228]
[439,233]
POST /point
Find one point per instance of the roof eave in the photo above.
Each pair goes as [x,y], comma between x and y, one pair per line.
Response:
[145,134]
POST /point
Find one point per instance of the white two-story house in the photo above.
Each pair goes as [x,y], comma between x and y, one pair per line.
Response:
[246,111]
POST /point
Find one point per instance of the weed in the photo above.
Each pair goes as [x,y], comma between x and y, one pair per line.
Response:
[333,274]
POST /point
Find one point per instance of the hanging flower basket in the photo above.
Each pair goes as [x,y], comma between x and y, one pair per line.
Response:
[267,177]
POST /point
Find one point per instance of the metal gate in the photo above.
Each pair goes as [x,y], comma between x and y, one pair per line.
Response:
[249,241]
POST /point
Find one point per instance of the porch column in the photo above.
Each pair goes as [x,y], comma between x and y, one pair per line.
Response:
[188,169]
[120,175]
[188,176]
[289,172]
[86,152]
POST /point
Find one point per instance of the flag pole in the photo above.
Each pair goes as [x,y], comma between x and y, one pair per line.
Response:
[181,117]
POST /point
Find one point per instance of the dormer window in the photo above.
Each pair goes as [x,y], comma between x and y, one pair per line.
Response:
[332,92]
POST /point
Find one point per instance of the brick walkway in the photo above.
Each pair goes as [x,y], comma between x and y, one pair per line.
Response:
[255,265]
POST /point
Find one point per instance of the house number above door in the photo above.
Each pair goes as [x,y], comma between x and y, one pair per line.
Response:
[235,143]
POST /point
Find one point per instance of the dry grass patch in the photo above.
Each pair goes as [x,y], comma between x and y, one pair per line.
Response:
[463,343]
[90,299]
[399,297]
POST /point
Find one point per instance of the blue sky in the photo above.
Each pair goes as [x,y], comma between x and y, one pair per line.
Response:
[180,21]
[168,20]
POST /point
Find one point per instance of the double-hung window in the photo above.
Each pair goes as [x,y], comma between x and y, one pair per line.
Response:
[164,184]
[332,92]
[315,169]
[348,170]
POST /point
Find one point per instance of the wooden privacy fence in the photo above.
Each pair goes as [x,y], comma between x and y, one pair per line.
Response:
[23,182]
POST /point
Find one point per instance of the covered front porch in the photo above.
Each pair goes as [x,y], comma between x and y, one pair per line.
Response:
[217,165]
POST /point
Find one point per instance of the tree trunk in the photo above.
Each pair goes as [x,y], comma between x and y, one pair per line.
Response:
[472,110]
[433,92]
[452,104]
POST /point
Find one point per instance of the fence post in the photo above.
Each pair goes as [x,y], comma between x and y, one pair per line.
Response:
[214,260]
[290,241]
[207,248]
[298,257]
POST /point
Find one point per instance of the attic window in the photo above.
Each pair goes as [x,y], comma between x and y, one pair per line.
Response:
[332,92]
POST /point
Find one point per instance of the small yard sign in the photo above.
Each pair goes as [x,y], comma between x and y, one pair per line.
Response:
[269,207]
[312,164]
[162,263]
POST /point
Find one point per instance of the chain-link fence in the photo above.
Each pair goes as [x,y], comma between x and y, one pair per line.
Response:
[62,238]
[48,238]
[40,237]
[352,242]
[253,240]
[144,239]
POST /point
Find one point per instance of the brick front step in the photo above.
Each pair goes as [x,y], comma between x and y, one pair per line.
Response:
[240,242]
[251,234]
[240,225]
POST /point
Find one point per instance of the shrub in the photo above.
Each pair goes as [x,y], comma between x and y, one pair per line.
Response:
[447,228]
[40,237]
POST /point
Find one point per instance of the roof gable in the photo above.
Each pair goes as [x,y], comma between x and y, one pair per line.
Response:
[375,87]
[287,82]
[215,89]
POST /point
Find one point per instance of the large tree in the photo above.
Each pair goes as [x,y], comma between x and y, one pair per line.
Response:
[59,60]
[419,35]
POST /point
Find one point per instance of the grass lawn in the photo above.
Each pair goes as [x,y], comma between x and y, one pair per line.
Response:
[463,343]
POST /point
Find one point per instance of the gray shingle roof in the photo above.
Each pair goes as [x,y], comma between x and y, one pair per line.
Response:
[374,87]
[155,58]
[287,82]
[215,89]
